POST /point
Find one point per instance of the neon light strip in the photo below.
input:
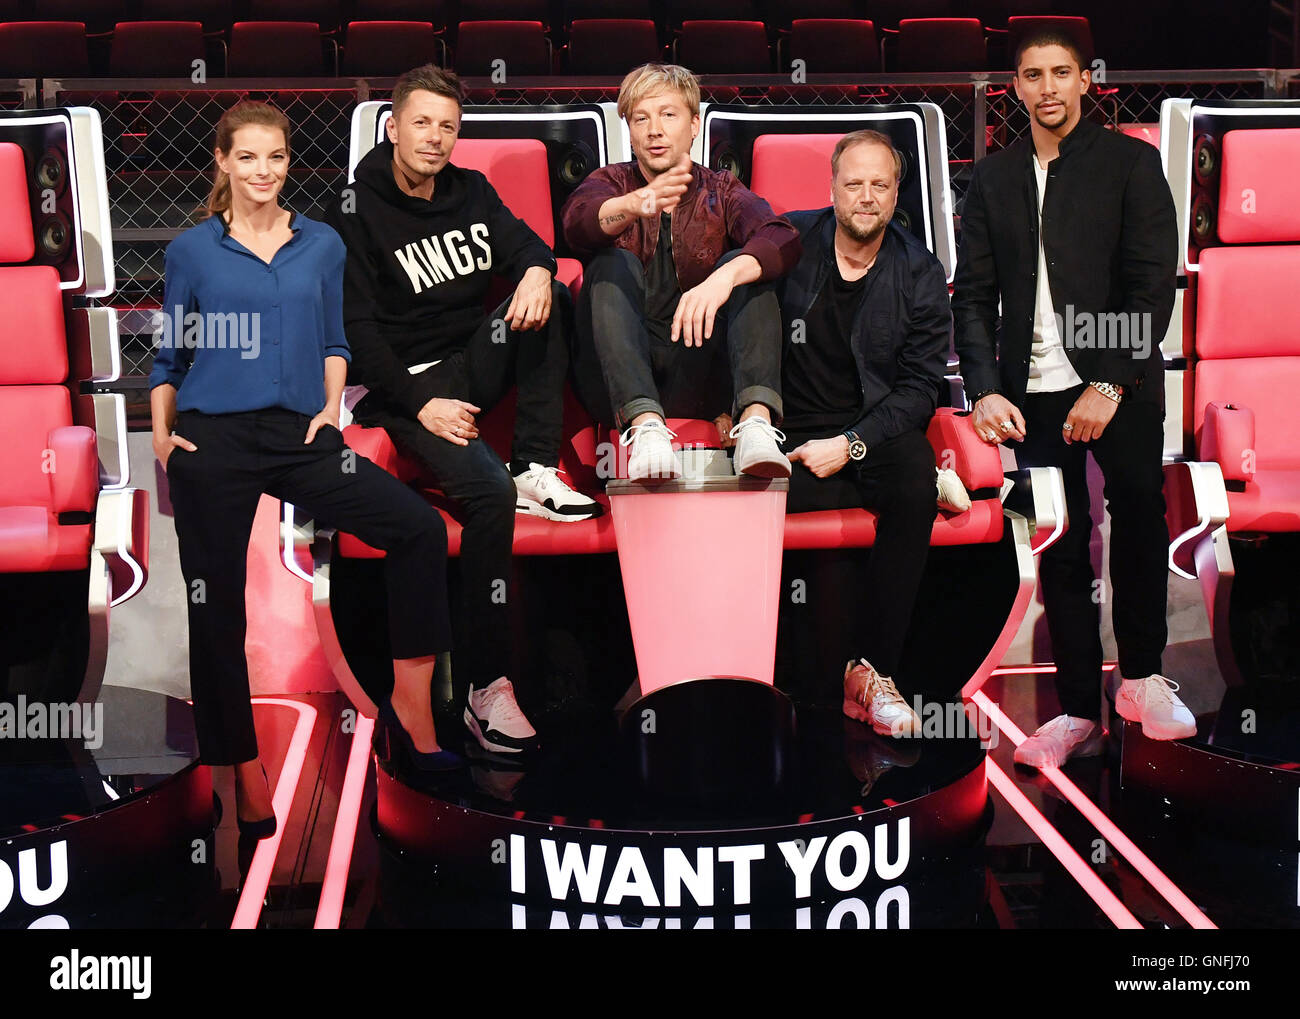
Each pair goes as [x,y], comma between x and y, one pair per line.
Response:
[1120,842]
[249,910]
[123,537]
[1062,850]
[1058,510]
[1175,544]
[288,548]
[1029,670]
[330,910]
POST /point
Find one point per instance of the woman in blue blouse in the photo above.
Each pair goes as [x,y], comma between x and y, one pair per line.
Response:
[245,395]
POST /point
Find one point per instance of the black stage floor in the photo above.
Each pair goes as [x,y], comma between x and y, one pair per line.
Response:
[1090,848]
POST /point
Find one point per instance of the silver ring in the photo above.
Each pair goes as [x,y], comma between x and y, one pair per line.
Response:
[1006,426]
[1067,427]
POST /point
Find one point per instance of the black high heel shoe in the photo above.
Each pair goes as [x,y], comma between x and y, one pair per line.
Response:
[262,828]
[393,733]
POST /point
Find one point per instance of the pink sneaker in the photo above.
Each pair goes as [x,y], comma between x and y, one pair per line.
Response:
[1055,742]
[871,697]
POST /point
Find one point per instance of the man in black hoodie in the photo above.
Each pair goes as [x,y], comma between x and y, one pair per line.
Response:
[424,240]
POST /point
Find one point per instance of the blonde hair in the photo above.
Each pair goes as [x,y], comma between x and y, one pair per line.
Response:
[866,136]
[242,114]
[651,79]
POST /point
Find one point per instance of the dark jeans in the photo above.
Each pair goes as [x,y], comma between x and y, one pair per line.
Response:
[641,374]
[474,478]
[214,493]
[1130,455]
[896,480]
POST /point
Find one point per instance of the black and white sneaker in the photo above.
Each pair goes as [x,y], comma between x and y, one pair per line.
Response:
[494,718]
[543,493]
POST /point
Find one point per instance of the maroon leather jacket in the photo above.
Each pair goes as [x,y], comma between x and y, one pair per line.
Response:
[716,214]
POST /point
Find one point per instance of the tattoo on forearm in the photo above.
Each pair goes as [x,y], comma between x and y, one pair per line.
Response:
[617,217]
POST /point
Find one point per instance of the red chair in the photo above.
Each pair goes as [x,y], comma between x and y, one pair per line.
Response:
[505,10]
[276,49]
[782,13]
[388,48]
[711,10]
[605,10]
[325,13]
[834,46]
[1077,29]
[42,49]
[156,49]
[55,516]
[214,15]
[793,172]
[99,16]
[521,45]
[1248,333]
[517,168]
[1246,378]
[723,47]
[435,11]
[939,44]
[611,46]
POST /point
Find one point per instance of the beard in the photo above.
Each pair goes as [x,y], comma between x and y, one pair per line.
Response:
[1052,121]
[859,234]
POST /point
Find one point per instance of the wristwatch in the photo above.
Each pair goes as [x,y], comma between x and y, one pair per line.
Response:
[857,448]
[1109,389]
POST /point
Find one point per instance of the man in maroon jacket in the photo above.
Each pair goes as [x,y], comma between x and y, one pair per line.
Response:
[681,260]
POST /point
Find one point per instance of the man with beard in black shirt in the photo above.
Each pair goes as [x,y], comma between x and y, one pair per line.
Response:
[867,327]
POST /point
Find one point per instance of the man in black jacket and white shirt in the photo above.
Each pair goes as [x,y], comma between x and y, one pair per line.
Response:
[867,327]
[424,240]
[1073,229]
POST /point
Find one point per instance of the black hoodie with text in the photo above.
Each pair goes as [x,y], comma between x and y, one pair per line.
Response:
[418,271]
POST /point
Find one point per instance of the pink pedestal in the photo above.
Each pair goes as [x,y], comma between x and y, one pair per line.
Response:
[701,562]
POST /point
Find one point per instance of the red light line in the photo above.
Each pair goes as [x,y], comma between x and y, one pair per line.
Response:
[330,909]
[258,880]
[1062,850]
[1120,842]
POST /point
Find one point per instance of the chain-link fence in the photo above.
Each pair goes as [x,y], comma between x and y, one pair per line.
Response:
[158,141]
[158,138]
[17,93]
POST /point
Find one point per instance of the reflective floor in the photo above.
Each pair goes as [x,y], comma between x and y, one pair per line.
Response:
[1079,852]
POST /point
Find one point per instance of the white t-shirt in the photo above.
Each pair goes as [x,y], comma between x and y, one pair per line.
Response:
[1050,369]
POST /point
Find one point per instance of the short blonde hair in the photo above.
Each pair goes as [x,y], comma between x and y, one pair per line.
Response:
[866,136]
[651,79]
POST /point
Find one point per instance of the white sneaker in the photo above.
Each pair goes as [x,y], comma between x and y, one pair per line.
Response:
[871,697]
[1152,702]
[652,456]
[493,716]
[952,493]
[1055,742]
[757,453]
[543,493]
